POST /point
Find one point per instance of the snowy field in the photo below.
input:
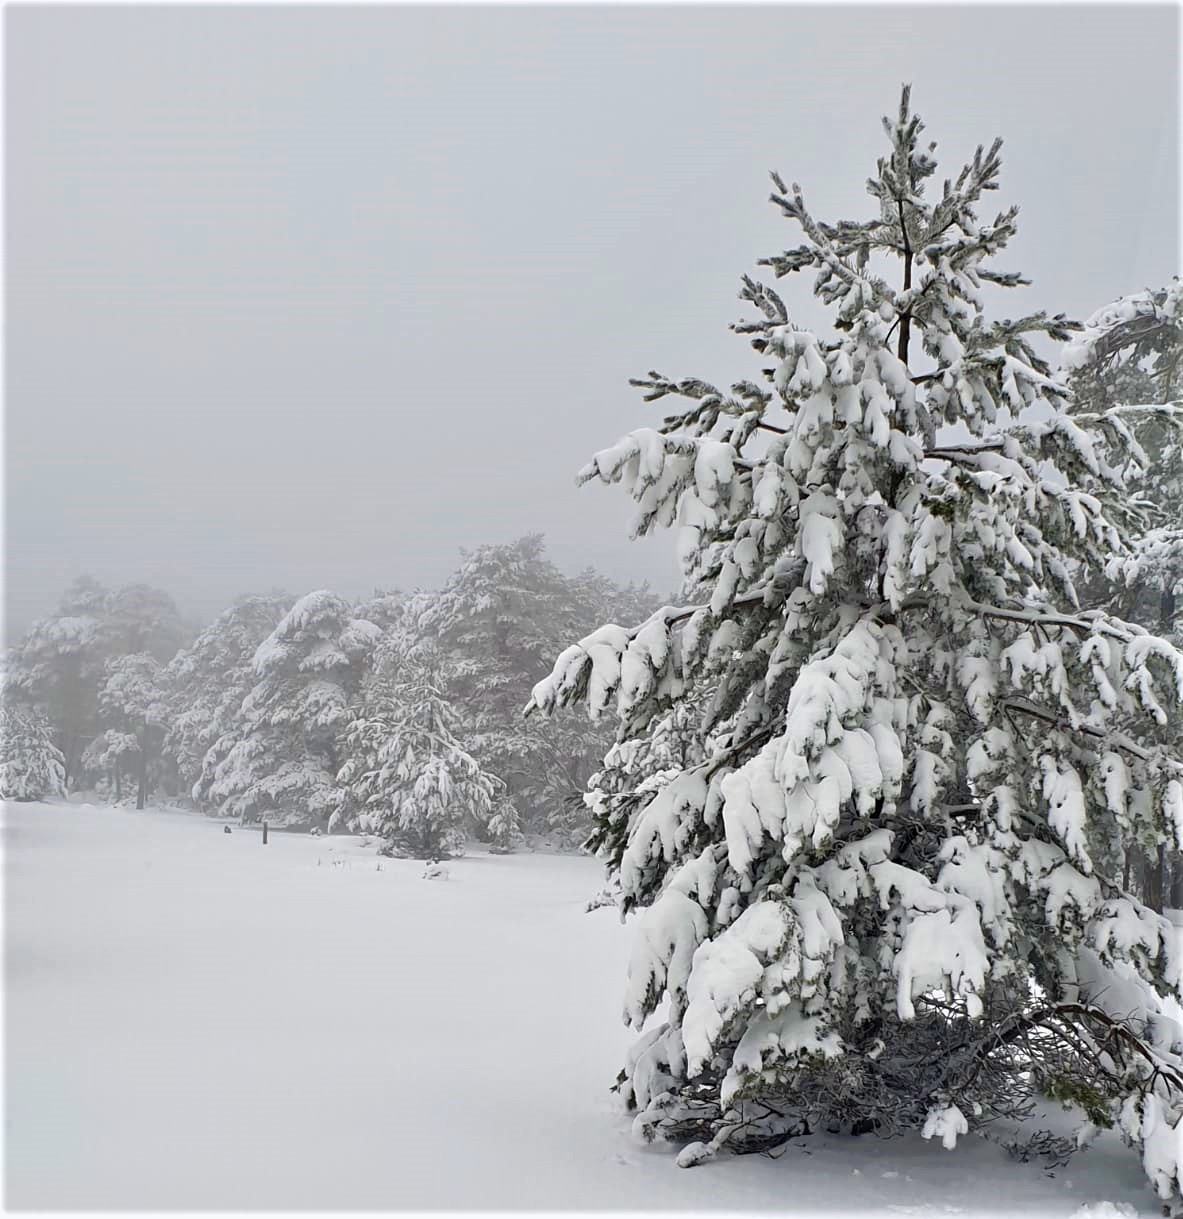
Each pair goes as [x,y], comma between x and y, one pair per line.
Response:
[195,1021]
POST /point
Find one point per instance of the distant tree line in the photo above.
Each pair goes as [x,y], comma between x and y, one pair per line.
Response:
[398,715]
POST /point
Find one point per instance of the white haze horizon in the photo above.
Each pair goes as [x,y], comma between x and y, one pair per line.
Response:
[314,297]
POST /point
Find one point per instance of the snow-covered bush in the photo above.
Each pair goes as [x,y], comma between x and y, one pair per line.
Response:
[883,890]
[31,766]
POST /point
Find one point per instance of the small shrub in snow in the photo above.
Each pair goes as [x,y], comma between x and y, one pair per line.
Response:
[1055,1150]
[607,896]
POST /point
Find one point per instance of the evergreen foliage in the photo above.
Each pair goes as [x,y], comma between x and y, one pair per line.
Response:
[31,765]
[113,756]
[61,664]
[134,700]
[284,762]
[207,683]
[889,894]
[1125,364]
[499,618]
[407,777]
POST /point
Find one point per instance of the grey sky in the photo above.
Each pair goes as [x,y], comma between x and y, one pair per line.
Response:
[315,296]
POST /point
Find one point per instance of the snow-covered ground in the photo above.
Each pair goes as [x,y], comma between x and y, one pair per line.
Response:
[197,1021]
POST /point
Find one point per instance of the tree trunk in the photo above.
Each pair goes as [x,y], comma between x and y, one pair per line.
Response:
[906,316]
[70,755]
[1175,899]
[118,782]
[142,792]
[1152,879]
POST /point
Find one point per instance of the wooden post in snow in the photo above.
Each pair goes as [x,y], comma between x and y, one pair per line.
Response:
[264,833]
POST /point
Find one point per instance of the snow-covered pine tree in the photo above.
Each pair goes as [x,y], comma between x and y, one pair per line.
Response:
[890,895]
[207,683]
[283,765]
[134,701]
[499,619]
[407,777]
[110,757]
[1125,364]
[384,609]
[31,765]
[635,769]
[60,665]
[139,618]
[1128,353]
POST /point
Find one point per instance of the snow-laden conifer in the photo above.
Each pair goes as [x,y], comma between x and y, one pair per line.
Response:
[60,664]
[1124,366]
[889,896]
[499,619]
[134,702]
[31,765]
[1130,350]
[1127,364]
[406,776]
[112,756]
[207,683]
[284,763]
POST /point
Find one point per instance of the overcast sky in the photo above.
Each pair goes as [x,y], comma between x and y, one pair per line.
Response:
[314,297]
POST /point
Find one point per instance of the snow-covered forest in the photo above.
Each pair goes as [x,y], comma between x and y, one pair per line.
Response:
[399,715]
[871,831]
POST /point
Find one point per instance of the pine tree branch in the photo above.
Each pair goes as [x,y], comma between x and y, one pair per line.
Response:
[1115,1029]
[1082,626]
[1117,740]
[958,452]
[1171,410]
[961,811]
[1128,334]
